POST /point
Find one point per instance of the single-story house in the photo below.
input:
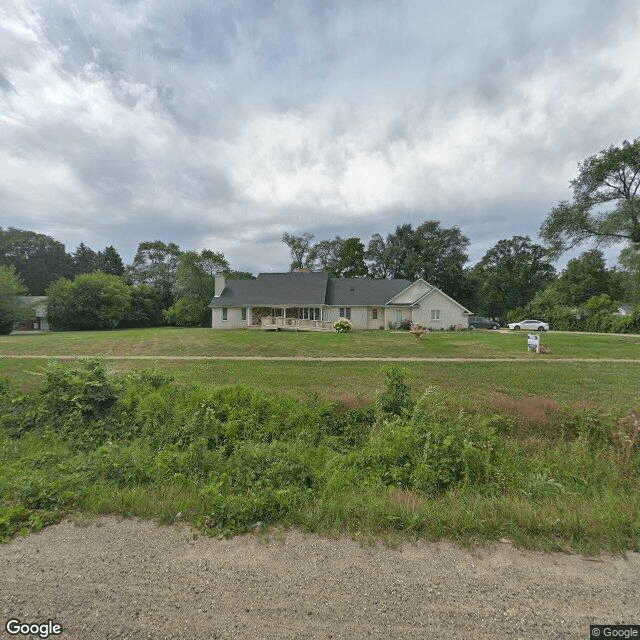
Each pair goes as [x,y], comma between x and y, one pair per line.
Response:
[38,321]
[316,300]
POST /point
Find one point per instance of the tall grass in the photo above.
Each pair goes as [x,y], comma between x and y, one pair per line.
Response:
[235,459]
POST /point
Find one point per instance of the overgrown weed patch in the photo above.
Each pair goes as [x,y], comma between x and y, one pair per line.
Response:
[235,459]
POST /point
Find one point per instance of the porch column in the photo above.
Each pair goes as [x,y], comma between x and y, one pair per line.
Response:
[249,316]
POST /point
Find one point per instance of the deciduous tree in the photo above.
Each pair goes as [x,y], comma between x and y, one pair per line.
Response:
[12,306]
[378,257]
[584,277]
[510,274]
[38,259]
[324,255]
[606,205]
[299,247]
[195,286]
[155,265]
[339,257]
[350,262]
[92,301]
[432,252]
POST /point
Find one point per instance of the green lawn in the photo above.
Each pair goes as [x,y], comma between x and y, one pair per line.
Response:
[206,342]
[538,380]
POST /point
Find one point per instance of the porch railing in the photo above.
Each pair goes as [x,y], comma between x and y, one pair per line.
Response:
[294,323]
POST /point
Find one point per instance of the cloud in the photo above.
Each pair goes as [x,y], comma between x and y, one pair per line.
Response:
[225,124]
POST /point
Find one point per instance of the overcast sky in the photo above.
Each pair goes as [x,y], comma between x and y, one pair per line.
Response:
[223,124]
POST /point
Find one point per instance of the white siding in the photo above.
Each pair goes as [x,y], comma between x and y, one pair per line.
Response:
[330,314]
[359,316]
[451,314]
[397,315]
[234,318]
[377,323]
[413,292]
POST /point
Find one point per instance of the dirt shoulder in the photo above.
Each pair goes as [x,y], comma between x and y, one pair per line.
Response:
[133,579]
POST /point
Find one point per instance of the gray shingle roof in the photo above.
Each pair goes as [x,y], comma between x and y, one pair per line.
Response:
[272,289]
[363,291]
[304,288]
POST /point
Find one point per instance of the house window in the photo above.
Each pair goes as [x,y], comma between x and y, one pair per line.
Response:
[224,313]
[244,313]
[309,314]
[345,312]
[435,314]
[374,314]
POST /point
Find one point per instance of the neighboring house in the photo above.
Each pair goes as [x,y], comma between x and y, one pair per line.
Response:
[38,321]
[315,300]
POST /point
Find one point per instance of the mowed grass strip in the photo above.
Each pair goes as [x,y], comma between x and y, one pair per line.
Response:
[531,389]
[204,342]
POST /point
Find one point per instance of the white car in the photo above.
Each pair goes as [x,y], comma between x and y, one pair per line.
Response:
[531,325]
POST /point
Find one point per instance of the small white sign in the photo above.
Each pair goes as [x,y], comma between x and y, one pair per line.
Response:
[533,342]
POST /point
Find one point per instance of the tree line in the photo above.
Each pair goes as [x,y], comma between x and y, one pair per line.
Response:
[516,276]
[165,285]
[90,289]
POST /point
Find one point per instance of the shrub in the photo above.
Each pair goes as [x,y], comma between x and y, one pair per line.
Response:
[276,465]
[11,519]
[629,323]
[453,448]
[145,308]
[224,417]
[187,312]
[233,513]
[122,464]
[342,326]
[92,301]
[396,398]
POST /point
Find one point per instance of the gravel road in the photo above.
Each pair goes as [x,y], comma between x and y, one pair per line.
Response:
[133,579]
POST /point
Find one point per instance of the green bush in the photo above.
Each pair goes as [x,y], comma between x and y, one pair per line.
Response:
[225,416]
[629,323]
[235,513]
[396,398]
[276,465]
[79,402]
[342,326]
[187,312]
[13,518]
[92,301]
[453,448]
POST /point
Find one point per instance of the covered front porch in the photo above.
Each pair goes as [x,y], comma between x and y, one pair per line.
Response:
[291,319]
